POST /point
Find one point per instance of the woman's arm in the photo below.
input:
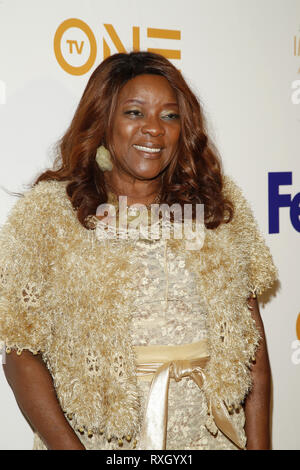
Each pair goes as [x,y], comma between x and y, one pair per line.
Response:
[33,388]
[257,405]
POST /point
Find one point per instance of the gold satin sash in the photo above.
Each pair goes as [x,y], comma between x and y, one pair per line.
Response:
[160,363]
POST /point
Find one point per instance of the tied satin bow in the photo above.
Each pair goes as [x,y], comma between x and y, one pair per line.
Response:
[164,363]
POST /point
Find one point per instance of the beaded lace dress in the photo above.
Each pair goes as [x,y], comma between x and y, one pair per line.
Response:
[167,311]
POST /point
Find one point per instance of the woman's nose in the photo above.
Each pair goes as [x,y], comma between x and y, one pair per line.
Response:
[153,126]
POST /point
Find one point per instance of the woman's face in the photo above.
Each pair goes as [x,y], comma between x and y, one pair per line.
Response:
[146,126]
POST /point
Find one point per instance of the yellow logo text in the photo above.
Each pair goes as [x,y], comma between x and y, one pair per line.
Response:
[68,49]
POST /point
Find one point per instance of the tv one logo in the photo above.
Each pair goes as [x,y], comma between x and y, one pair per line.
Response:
[75,44]
[278,200]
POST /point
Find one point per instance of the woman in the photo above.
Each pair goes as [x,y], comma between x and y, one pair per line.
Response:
[90,321]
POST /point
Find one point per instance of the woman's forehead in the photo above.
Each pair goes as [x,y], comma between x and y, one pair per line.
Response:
[147,87]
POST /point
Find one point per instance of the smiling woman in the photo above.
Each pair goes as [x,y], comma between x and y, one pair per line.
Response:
[146,130]
[136,343]
[141,93]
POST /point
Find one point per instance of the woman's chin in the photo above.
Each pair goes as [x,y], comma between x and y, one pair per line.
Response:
[147,174]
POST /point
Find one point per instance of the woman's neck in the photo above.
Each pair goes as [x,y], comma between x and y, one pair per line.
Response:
[136,191]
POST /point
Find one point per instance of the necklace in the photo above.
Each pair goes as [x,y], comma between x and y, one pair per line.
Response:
[148,206]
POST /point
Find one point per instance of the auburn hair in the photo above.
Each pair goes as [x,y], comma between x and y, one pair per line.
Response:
[193,176]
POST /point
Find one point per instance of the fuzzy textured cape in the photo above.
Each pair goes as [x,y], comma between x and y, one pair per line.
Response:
[68,295]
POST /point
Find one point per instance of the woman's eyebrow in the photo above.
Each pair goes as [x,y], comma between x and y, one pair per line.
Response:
[134,101]
[129,101]
[171,104]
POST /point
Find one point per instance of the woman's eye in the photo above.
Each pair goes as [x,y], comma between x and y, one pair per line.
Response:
[171,116]
[133,112]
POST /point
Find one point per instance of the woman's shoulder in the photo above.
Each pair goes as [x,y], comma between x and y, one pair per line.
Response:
[231,189]
[47,189]
[42,198]
[243,224]
[44,204]
[233,192]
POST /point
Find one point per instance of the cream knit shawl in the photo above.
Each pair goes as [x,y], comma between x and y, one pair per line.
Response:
[64,293]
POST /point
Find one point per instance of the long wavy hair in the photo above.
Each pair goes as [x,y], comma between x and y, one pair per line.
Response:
[193,176]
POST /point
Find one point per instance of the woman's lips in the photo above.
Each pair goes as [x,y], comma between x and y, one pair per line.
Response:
[145,148]
[149,152]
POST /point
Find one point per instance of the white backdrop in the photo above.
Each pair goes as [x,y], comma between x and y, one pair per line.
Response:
[242,57]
